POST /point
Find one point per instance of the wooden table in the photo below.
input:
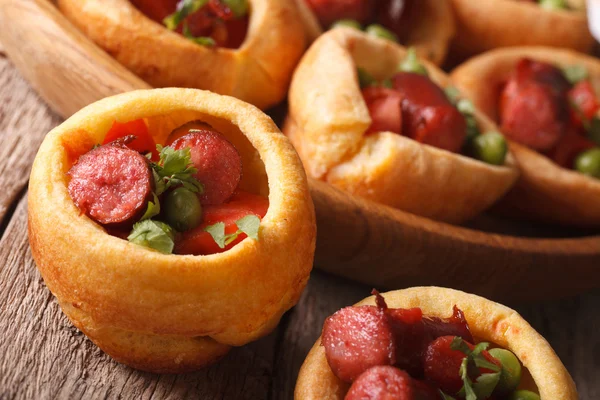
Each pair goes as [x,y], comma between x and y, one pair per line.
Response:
[42,356]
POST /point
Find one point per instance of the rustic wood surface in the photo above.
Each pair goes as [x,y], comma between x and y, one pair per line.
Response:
[42,356]
[356,236]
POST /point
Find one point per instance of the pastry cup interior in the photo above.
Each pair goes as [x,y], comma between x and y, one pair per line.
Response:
[545,191]
[486,24]
[489,321]
[257,72]
[328,118]
[431,30]
[116,291]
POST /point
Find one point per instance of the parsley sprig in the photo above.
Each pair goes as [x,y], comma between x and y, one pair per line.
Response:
[183,10]
[249,225]
[485,384]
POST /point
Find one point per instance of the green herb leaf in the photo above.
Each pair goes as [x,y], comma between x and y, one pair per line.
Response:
[465,106]
[387,83]
[201,40]
[553,4]
[446,396]
[184,9]
[411,63]
[217,231]
[453,94]
[485,384]
[153,234]
[153,208]
[575,73]
[175,168]
[249,225]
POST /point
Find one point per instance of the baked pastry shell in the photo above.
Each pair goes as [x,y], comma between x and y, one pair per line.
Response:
[545,190]
[489,322]
[430,35]
[258,72]
[487,24]
[169,313]
[327,120]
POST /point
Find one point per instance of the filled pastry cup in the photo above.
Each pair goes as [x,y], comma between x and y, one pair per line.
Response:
[328,119]
[165,312]
[257,72]
[431,29]
[488,322]
[486,24]
[545,190]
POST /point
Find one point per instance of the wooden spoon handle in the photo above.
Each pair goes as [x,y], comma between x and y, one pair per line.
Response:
[64,67]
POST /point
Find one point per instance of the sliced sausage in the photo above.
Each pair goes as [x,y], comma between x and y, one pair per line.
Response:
[584,103]
[569,147]
[112,184]
[218,162]
[357,338]
[427,114]
[385,109]
[329,11]
[398,16]
[389,383]
[533,106]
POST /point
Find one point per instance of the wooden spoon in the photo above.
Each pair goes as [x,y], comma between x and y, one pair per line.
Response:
[357,239]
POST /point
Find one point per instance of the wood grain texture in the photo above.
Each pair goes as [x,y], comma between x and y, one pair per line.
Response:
[357,239]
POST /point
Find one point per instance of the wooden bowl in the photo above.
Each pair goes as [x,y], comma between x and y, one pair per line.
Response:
[357,239]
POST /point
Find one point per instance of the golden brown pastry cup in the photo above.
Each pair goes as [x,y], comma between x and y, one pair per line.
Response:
[258,72]
[328,118]
[432,31]
[545,190]
[487,24]
[172,313]
[489,322]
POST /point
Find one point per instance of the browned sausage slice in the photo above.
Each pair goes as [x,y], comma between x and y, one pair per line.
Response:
[218,162]
[533,106]
[427,114]
[357,338]
[389,383]
[111,184]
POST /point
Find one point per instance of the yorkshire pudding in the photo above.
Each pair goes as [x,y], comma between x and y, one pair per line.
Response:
[488,321]
[431,27]
[486,24]
[545,190]
[258,72]
[172,313]
[328,119]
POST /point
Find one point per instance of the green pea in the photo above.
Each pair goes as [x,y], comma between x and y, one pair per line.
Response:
[347,23]
[412,64]
[523,395]
[380,32]
[239,8]
[553,4]
[588,162]
[510,376]
[183,210]
[490,147]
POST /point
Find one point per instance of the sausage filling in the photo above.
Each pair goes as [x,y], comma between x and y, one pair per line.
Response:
[222,23]
[394,354]
[181,198]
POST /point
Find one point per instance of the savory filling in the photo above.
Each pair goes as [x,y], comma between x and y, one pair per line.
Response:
[412,105]
[394,354]
[222,23]
[554,112]
[388,19]
[182,198]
